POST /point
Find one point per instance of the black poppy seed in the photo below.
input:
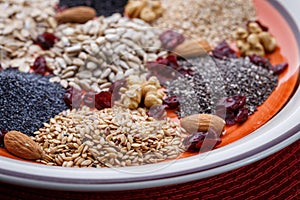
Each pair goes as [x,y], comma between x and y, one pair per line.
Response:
[214,79]
[28,100]
[103,7]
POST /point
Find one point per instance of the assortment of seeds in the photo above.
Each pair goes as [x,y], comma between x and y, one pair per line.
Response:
[111,56]
[110,137]
[28,100]
[214,79]
[213,20]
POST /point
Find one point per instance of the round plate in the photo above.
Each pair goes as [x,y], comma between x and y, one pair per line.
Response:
[240,150]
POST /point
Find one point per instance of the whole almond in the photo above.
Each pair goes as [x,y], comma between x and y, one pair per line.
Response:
[22,145]
[79,14]
[202,123]
[192,48]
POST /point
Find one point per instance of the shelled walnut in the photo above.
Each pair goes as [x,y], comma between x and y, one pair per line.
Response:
[139,90]
[254,40]
[147,10]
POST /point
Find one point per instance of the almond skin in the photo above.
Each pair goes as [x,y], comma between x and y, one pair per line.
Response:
[79,14]
[202,123]
[22,146]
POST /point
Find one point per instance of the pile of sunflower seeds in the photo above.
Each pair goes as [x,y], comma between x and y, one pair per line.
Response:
[215,78]
[91,56]
[112,137]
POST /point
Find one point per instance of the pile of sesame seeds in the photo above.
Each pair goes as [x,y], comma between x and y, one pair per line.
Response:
[215,78]
[113,137]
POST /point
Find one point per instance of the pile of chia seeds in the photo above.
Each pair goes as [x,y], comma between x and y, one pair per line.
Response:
[28,100]
[214,79]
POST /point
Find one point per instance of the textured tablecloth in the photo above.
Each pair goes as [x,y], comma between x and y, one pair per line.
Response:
[275,177]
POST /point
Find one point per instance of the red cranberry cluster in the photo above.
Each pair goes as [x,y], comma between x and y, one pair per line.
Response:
[74,98]
[233,108]
[201,141]
[158,68]
[170,39]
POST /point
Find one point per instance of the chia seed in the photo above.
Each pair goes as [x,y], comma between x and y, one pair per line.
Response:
[28,100]
[214,79]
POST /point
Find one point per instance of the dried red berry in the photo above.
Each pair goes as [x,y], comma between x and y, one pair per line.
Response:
[223,50]
[89,99]
[242,115]
[170,39]
[263,27]
[40,65]
[2,133]
[279,68]
[46,40]
[201,141]
[103,100]
[157,111]
[115,89]
[233,109]
[230,117]
[172,102]
[260,61]
[72,97]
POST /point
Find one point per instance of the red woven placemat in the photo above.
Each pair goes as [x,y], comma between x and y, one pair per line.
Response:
[275,177]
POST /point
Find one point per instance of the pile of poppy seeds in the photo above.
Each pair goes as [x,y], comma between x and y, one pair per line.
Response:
[214,79]
[28,100]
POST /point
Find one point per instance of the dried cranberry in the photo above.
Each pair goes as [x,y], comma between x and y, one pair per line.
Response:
[115,88]
[170,39]
[40,65]
[157,112]
[103,100]
[172,102]
[279,68]
[232,109]
[233,103]
[2,133]
[201,141]
[223,50]
[46,40]
[260,61]
[230,117]
[60,8]
[242,115]
[89,99]
[263,27]
[72,97]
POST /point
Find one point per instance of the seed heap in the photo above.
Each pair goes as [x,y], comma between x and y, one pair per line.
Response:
[92,55]
[214,79]
[28,100]
[213,20]
[112,137]
[20,23]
